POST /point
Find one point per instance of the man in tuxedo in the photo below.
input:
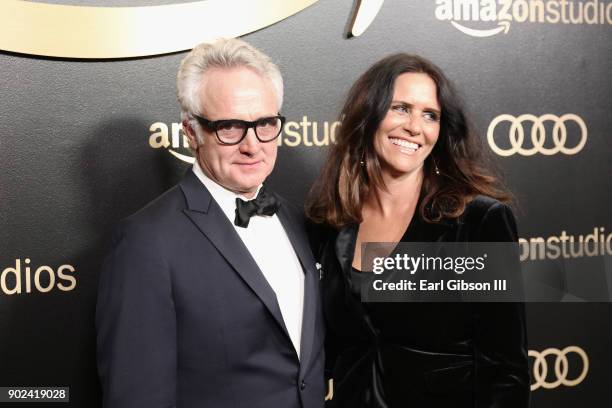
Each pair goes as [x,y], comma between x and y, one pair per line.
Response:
[209,296]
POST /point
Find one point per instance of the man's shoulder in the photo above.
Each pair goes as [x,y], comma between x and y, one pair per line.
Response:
[290,206]
[294,212]
[158,214]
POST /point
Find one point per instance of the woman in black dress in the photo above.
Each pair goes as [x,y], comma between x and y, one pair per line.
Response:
[406,167]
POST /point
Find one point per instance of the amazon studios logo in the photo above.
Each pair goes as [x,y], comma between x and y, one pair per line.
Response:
[468,16]
[595,243]
[306,133]
[24,277]
[550,134]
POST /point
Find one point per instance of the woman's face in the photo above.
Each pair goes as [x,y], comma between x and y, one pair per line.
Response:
[409,131]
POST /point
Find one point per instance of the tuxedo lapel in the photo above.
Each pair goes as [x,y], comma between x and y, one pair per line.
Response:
[206,214]
[311,282]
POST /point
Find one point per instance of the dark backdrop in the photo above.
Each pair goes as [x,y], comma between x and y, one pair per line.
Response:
[77,153]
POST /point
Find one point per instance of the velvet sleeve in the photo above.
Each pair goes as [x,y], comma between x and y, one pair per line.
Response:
[500,339]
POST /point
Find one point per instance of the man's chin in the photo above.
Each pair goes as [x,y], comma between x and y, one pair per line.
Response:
[248,188]
[247,192]
[250,179]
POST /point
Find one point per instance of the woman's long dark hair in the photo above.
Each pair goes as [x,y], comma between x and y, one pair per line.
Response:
[338,195]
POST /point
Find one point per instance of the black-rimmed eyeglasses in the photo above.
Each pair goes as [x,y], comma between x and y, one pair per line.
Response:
[233,131]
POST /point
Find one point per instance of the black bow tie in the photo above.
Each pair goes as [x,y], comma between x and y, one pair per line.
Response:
[265,204]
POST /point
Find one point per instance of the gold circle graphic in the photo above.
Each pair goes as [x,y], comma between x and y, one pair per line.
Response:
[561,368]
[56,30]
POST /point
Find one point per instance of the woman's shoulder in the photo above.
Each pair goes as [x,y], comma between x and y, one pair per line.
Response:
[482,206]
[490,219]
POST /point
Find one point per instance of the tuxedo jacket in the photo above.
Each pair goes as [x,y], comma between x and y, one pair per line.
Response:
[423,355]
[185,318]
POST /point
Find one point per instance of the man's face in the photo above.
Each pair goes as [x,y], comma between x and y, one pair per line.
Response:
[236,93]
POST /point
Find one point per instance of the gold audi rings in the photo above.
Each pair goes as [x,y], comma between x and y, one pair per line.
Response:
[540,367]
[538,135]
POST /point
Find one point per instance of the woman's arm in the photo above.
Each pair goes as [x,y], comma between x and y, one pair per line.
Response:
[500,338]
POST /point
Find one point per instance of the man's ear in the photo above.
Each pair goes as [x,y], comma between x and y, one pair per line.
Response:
[190,132]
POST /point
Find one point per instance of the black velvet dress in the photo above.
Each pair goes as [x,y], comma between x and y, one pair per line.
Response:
[416,355]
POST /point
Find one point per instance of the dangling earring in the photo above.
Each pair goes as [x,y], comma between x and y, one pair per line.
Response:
[436,169]
[362,161]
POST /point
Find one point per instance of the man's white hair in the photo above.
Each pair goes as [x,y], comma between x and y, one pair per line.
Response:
[222,53]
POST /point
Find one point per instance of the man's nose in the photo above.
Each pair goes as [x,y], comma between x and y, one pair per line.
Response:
[250,144]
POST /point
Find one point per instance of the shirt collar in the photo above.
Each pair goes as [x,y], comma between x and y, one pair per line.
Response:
[224,197]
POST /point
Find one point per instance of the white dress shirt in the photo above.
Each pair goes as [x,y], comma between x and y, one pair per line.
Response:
[267,241]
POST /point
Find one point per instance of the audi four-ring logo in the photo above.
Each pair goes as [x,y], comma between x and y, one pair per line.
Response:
[540,367]
[516,134]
